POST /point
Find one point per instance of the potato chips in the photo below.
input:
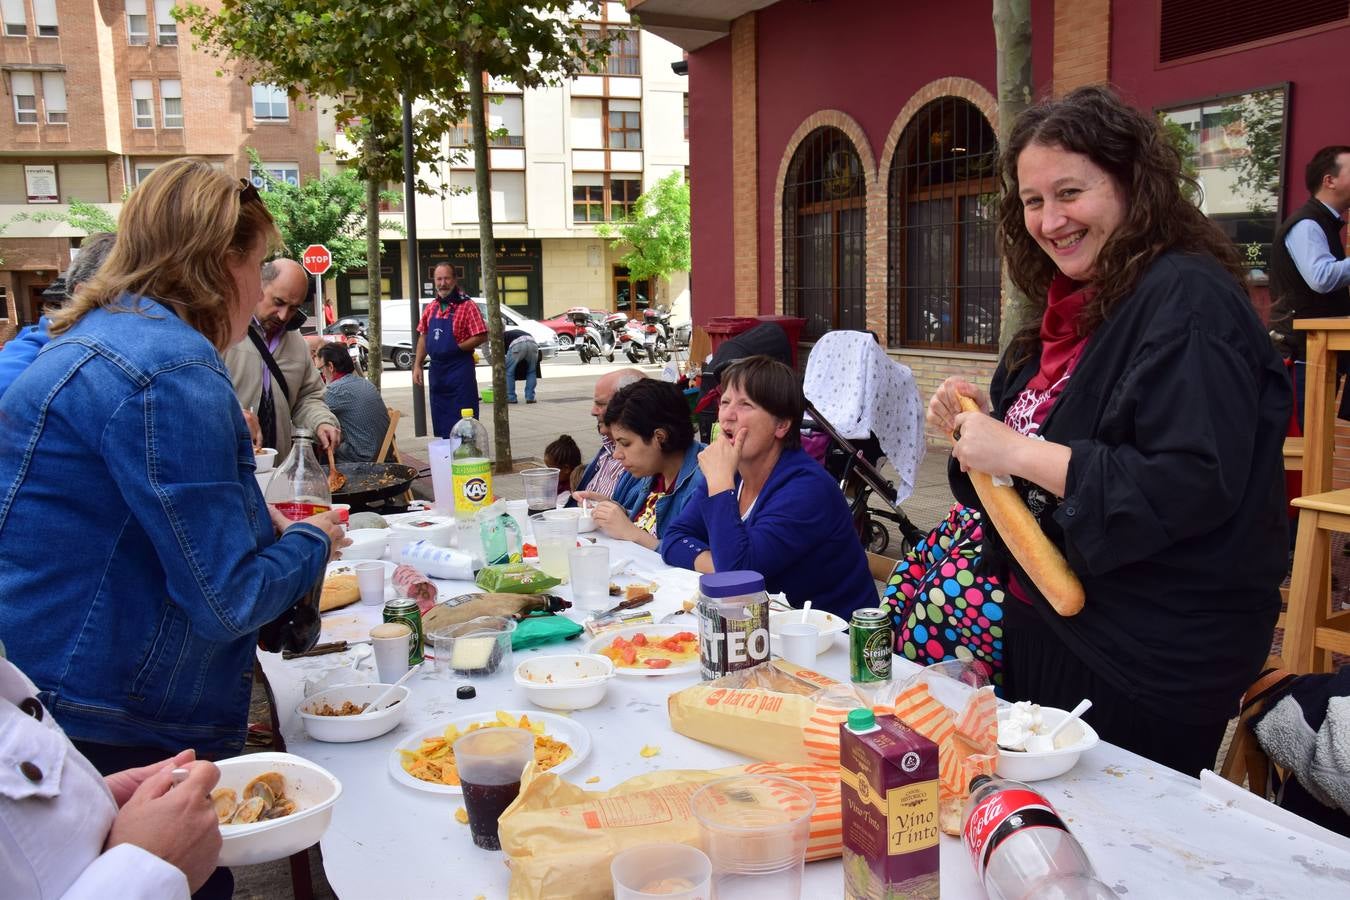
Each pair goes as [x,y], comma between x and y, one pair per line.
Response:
[434,761]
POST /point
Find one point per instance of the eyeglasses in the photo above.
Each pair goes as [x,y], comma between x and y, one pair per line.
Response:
[248,191]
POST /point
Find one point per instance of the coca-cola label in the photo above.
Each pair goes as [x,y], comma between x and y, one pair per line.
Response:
[298,510]
[1000,815]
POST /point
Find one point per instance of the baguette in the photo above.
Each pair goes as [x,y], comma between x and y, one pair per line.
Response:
[1040,559]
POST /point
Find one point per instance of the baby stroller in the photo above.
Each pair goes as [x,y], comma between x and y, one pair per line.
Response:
[849,455]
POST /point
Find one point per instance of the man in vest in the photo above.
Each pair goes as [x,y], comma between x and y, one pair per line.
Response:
[1309,272]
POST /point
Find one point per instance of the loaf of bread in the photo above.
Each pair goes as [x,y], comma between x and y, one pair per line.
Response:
[1040,559]
[338,591]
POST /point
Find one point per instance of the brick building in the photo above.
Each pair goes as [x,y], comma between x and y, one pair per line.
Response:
[99,93]
[841,153]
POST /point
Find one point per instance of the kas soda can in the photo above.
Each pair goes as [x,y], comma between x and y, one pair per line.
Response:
[733,622]
[405,610]
[871,643]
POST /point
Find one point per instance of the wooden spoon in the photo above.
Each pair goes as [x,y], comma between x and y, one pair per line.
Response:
[335,478]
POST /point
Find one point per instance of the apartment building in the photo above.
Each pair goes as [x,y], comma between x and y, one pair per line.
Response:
[99,94]
[569,158]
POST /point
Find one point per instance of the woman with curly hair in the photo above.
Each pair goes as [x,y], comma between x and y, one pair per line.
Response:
[1141,415]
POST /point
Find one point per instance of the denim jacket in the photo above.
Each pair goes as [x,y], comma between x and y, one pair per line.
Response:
[631,493]
[137,557]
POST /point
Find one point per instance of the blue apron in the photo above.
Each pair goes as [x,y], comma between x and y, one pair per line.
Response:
[451,382]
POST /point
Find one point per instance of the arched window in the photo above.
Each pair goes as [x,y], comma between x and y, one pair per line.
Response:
[825,234]
[942,281]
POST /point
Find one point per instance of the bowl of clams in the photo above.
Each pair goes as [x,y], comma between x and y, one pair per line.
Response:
[271,805]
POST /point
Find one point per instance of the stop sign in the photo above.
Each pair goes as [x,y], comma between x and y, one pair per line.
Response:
[317,260]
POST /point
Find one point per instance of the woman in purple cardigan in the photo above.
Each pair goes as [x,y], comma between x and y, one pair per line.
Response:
[769,507]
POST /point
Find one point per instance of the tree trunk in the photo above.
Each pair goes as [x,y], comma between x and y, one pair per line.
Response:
[376,367]
[487,261]
[1012,38]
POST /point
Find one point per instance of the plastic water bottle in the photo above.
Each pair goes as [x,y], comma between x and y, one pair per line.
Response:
[299,489]
[470,468]
[1021,848]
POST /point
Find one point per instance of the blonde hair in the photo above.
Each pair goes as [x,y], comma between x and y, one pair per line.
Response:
[177,234]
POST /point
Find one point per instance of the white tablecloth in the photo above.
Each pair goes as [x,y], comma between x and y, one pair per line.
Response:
[1150,831]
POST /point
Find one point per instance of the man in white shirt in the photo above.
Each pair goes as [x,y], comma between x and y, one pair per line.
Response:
[66,831]
[1309,272]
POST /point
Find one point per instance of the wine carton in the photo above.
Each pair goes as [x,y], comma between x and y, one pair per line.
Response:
[889,785]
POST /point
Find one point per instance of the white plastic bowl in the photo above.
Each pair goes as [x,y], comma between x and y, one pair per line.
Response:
[568,681]
[314,791]
[366,543]
[1020,765]
[585,521]
[348,729]
[265,459]
[828,624]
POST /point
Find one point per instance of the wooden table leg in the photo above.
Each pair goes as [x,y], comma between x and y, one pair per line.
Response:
[1309,592]
[1319,415]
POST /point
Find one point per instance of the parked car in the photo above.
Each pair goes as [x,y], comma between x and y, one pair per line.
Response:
[397,342]
[565,324]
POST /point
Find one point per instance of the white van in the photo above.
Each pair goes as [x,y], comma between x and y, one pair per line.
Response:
[398,340]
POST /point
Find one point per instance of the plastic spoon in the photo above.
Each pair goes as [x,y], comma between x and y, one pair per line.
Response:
[378,702]
[806,610]
[1040,743]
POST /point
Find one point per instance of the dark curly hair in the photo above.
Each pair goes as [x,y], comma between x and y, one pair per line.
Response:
[649,404]
[1133,149]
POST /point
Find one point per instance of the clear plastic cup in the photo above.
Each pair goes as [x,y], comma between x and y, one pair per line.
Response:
[520,511]
[370,581]
[798,642]
[665,871]
[589,568]
[554,537]
[478,648]
[755,829]
[541,488]
[490,762]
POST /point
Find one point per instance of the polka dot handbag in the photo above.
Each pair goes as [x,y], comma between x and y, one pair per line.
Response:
[940,607]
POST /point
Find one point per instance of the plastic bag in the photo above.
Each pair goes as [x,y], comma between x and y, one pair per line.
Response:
[515,578]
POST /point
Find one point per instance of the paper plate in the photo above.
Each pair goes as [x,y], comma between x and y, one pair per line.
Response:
[601,641]
[560,728]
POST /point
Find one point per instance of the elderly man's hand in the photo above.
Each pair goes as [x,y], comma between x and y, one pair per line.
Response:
[328,436]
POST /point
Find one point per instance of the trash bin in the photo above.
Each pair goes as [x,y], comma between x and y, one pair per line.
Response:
[720,328]
[792,326]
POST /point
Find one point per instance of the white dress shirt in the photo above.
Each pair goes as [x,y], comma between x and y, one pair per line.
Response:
[1307,245]
[56,811]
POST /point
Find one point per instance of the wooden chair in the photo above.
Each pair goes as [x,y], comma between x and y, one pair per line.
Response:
[1293,454]
[1312,632]
[388,452]
[1245,760]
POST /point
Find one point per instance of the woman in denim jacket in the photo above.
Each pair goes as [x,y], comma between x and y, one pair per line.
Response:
[654,439]
[137,557]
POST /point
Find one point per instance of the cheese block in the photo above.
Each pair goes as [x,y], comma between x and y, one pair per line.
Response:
[338,591]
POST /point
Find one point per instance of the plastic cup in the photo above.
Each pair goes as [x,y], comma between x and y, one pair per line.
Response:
[541,488]
[391,642]
[659,871]
[520,511]
[589,568]
[490,763]
[755,829]
[798,642]
[370,581]
[554,538]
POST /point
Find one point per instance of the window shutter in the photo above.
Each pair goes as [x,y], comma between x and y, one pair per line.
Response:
[1193,27]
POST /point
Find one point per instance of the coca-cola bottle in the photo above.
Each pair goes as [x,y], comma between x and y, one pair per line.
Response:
[298,490]
[1021,848]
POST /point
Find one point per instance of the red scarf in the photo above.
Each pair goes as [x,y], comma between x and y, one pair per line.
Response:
[1060,341]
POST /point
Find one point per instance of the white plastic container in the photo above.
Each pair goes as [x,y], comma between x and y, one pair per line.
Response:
[569,681]
[437,530]
[438,562]
[349,729]
[1076,739]
[314,791]
[827,625]
[366,543]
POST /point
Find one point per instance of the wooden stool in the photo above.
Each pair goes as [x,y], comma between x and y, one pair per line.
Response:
[1293,454]
[1311,630]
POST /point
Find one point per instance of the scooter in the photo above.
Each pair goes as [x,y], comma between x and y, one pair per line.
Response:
[353,335]
[656,334]
[629,335]
[593,341]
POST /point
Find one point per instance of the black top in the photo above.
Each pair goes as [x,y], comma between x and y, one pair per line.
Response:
[1293,297]
[1174,516]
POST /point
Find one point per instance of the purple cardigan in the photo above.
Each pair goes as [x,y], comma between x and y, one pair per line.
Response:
[799,536]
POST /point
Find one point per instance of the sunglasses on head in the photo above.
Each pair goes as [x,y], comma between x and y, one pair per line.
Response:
[248,191]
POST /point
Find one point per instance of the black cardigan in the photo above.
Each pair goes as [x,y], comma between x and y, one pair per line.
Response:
[1174,516]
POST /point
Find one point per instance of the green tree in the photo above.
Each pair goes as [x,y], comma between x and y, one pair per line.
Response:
[328,210]
[368,55]
[82,216]
[656,236]
[1257,172]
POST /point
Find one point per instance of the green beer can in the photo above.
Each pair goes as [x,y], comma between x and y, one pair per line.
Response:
[405,610]
[871,642]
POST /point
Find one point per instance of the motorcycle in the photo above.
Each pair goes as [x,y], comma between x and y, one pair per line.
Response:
[353,334]
[593,341]
[656,335]
[629,335]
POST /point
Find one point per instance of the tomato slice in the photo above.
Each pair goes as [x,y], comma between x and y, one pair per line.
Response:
[684,636]
[639,640]
[629,655]
[657,663]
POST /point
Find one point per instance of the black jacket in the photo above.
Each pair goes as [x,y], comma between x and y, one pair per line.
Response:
[1174,515]
[1293,297]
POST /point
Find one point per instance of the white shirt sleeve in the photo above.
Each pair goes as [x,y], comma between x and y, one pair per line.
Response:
[1307,245]
[129,872]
